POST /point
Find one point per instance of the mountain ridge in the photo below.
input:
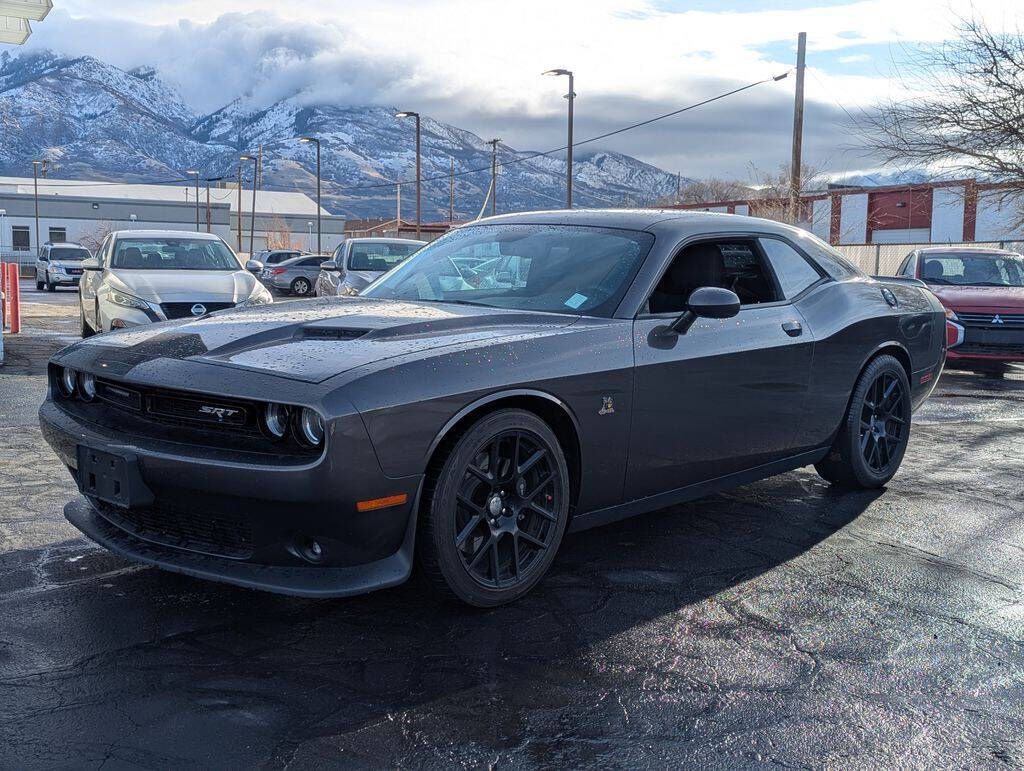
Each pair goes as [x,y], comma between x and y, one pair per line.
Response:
[91,119]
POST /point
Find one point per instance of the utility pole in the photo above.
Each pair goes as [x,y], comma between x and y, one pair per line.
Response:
[207,204]
[35,187]
[571,96]
[451,191]
[679,187]
[798,129]
[194,172]
[242,159]
[494,175]
[252,219]
[259,167]
[398,209]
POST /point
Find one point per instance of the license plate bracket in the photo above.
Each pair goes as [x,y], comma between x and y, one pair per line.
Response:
[110,477]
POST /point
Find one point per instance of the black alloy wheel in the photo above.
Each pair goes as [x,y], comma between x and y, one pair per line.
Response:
[882,425]
[872,439]
[498,511]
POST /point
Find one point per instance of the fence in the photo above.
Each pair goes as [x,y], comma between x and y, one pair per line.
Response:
[885,259]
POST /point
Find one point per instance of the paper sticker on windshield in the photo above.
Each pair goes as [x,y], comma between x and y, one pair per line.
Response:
[576,300]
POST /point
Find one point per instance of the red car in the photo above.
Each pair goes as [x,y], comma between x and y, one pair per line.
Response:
[983,291]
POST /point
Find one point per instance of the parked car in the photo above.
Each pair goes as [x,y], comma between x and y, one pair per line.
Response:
[983,293]
[294,276]
[275,256]
[142,276]
[60,264]
[632,360]
[359,261]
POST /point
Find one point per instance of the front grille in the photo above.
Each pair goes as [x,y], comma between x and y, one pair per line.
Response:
[989,320]
[1002,349]
[74,271]
[183,528]
[174,406]
[184,310]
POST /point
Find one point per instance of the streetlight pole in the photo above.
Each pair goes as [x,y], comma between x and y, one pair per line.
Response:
[242,159]
[314,140]
[494,175]
[571,96]
[309,240]
[195,173]
[35,187]
[416,115]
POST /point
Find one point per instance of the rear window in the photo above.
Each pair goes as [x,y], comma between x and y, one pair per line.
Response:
[379,257]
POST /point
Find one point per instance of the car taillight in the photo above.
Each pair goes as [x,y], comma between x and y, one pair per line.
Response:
[277,271]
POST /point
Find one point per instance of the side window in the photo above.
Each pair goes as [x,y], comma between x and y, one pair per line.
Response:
[794,273]
[910,266]
[734,264]
[103,253]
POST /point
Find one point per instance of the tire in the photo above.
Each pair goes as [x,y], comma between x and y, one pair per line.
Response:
[872,439]
[50,286]
[39,284]
[484,538]
[300,287]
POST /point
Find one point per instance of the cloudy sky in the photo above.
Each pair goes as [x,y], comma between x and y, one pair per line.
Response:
[477,63]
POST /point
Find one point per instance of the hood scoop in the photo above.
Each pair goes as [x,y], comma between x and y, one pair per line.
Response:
[332,333]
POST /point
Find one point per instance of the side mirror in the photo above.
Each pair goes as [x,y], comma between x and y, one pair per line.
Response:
[329,265]
[708,302]
[254,266]
[91,263]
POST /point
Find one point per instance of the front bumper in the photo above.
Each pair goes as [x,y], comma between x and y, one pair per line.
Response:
[64,280]
[201,513]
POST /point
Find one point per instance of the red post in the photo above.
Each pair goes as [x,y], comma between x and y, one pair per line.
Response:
[15,287]
[3,291]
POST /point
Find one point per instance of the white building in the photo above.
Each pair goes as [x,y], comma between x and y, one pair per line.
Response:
[81,210]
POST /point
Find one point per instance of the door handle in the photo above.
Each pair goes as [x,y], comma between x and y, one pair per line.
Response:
[792,328]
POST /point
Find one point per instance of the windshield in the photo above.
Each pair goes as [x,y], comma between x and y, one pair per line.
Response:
[173,254]
[379,257]
[68,254]
[963,269]
[554,268]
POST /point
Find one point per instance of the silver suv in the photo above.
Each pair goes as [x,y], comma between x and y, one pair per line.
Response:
[60,264]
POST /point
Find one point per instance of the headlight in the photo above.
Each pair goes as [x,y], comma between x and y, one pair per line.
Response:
[311,427]
[260,296]
[67,381]
[275,420]
[127,300]
[87,386]
[56,268]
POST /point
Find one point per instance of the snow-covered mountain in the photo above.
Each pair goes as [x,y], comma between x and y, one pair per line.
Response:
[91,119]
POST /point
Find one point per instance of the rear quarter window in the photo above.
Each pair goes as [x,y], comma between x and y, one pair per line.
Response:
[837,266]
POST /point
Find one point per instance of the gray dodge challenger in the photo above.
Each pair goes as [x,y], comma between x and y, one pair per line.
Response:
[522,377]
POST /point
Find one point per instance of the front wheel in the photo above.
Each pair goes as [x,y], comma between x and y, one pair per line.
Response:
[874,434]
[495,512]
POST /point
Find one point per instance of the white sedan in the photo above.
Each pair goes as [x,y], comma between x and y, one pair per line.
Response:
[142,276]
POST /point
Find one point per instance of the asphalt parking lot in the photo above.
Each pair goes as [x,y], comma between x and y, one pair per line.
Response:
[782,623]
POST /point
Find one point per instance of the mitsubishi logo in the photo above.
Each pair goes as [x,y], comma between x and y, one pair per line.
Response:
[219,412]
[996,319]
[198,309]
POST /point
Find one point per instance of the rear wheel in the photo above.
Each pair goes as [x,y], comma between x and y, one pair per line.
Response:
[300,287]
[495,512]
[873,437]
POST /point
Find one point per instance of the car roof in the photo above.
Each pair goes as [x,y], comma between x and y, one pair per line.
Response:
[641,219]
[965,249]
[165,234]
[384,240]
[293,260]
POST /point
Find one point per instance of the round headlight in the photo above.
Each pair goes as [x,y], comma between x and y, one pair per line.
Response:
[275,420]
[311,426]
[87,386]
[67,380]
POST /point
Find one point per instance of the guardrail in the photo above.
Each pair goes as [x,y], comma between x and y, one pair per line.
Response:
[10,306]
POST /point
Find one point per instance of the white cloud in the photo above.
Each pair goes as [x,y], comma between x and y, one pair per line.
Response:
[477,64]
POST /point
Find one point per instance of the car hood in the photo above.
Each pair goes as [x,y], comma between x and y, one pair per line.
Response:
[317,339]
[66,264]
[161,286]
[978,298]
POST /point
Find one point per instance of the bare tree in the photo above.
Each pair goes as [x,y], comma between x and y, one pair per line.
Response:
[92,238]
[965,114]
[770,197]
[279,236]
